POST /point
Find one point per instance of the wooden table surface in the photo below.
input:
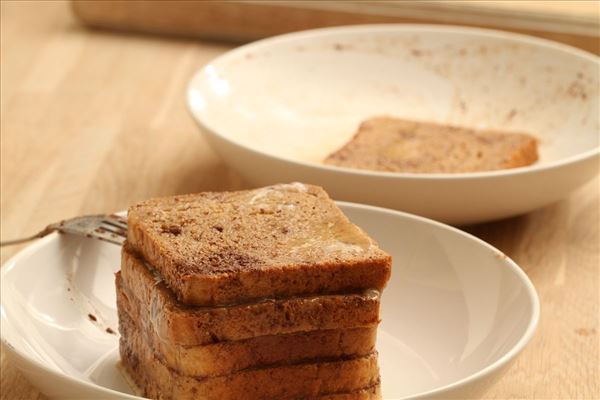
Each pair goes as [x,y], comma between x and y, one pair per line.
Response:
[93,121]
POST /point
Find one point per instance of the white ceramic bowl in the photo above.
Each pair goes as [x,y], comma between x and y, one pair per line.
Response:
[275,108]
[455,313]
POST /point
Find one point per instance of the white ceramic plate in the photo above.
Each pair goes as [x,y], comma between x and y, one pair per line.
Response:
[275,108]
[455,313]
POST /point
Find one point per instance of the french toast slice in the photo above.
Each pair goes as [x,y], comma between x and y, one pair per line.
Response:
[368,393]
[397,145]
[280,241]
[133,376]
[306,381]
[145,295]
[227,357]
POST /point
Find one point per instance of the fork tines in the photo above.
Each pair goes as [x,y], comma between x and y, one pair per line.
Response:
[112,229]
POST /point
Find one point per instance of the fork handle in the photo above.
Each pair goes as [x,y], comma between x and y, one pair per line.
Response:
[48,230]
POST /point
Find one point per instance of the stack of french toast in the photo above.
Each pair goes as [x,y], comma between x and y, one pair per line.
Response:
[262,294]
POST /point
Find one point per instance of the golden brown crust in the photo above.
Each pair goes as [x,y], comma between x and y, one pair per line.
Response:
[396,145]
[128,373]
[233,247]
[309,380]
[369,393]
[227,357]
[183,325]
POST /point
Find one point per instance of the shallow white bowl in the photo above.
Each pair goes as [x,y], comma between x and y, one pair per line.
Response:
[275,108]
[455,313]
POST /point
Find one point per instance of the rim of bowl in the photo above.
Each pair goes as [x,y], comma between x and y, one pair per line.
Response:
[506,358]
[532,295]
[480,32]
[6,268]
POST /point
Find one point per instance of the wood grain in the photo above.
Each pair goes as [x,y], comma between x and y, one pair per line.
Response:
[93,121]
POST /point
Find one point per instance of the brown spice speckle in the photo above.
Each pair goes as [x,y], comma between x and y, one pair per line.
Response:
[109,330]
[92,317]
[577,90]
[585,331]
[173,229]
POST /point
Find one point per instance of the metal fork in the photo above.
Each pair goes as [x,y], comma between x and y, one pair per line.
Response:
[109,228]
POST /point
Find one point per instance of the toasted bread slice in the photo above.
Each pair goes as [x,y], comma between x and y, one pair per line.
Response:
[179,324]
[133,376]
[369,393]
[275,242]
[309,380]
[396,145]
[227,357]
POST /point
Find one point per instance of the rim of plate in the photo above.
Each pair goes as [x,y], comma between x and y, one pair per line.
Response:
[8,266]
[510,355]
[528,285]
[479,32]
